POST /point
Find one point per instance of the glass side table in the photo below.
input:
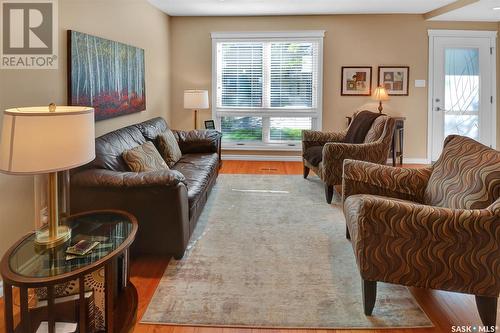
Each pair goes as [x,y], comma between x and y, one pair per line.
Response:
[25,266]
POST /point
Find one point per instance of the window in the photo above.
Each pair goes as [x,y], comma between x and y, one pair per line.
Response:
[267,87]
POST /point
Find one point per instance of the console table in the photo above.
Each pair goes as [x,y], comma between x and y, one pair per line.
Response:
[397,139]
[28,267]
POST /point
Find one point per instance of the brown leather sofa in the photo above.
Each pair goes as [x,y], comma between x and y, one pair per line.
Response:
[166,203]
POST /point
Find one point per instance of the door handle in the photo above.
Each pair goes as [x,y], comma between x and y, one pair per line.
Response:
[437,108]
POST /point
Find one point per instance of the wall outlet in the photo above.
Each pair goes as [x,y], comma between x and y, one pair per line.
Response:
[419,83]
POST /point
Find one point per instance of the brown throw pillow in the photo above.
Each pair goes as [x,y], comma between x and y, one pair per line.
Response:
[144,158]
[168,147]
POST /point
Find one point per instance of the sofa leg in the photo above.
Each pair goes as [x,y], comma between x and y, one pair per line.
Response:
[369,289]
[347,234]
[306,172]
[487,308]
[329,193]
[179,256]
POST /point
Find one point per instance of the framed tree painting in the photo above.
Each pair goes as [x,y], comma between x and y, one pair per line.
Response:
[395,79]
[356,81]
[106,75]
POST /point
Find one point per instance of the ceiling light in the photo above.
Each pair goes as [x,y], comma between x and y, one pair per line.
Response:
[496,8]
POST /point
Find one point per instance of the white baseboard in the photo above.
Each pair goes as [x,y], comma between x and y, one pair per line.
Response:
[1,288]
[287,158]
[278,158]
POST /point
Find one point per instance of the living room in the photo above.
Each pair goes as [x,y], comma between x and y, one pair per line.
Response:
[237,235]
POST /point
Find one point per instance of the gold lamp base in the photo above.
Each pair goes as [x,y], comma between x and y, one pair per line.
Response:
[44,240]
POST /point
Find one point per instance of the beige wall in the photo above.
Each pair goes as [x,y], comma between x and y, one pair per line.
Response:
[133,22]
[350,40]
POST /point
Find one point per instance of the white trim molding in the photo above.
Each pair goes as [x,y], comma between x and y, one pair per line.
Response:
[265,110]
[277,158]
[267,34]
[492,36]
[462,33]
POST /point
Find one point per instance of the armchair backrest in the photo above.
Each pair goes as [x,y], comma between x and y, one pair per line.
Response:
[466,175]
[378,129]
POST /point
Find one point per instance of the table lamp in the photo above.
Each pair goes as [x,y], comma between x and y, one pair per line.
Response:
[380,94]
[195,100]
[41,141]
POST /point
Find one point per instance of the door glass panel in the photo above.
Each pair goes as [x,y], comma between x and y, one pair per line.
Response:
[461,114]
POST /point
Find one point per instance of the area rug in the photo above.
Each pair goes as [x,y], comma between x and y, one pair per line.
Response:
[269,252]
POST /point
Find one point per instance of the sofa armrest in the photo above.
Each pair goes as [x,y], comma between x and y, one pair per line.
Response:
[318,138]
[198,141]
[108,178]
[361,177]
[407,243]
[158,200]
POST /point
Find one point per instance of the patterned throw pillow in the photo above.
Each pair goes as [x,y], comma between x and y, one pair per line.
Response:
[144,158]
[168,147]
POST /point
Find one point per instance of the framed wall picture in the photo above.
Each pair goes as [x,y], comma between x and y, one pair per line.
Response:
[395,79]
[104,74]
[356,81]
[209,124]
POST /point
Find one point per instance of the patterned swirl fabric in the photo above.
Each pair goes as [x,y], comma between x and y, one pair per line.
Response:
[376,130]
[169,147]
[450,244]
[412,244]
[467,175]
[144,158]
[335,152]
[402,183]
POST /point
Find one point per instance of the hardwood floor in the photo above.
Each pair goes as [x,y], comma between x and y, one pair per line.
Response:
[443,308]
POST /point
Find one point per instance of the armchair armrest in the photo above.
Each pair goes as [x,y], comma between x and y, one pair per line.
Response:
[198,141]
[335,153]
[369,178]
[318,138]
[424,246]
[108,178]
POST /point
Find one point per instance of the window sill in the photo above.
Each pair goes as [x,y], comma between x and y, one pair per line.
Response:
[262,146]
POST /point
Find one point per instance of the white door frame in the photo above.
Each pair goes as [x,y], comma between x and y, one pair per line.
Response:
[492,35]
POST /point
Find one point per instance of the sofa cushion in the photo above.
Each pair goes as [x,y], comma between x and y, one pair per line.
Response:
[197,169]
[110,147]
[466,175]
[144,158]
[168,147]
[151,128]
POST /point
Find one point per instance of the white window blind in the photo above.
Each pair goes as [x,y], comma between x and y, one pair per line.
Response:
[268,86]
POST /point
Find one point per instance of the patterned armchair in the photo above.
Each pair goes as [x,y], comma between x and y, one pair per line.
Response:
[436,227]
[375,149]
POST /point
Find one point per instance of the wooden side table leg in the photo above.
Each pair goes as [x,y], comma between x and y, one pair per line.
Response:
[25,316]
[82,306]
[109,294]
[401,136]
[8,309]
[393,146]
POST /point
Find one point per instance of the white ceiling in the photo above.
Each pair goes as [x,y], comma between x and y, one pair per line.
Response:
[294,7]
[479,11]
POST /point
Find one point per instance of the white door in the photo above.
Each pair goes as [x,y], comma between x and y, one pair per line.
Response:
[462,87]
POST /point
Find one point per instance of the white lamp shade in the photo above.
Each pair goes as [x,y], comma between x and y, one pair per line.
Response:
[380,94]
[35,140]
[196,99]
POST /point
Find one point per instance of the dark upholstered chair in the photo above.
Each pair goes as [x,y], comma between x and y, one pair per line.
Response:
[375,149]
[435,227]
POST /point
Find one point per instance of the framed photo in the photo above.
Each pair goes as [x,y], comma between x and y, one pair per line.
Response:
[356,81]
[395,79]
[209,124]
